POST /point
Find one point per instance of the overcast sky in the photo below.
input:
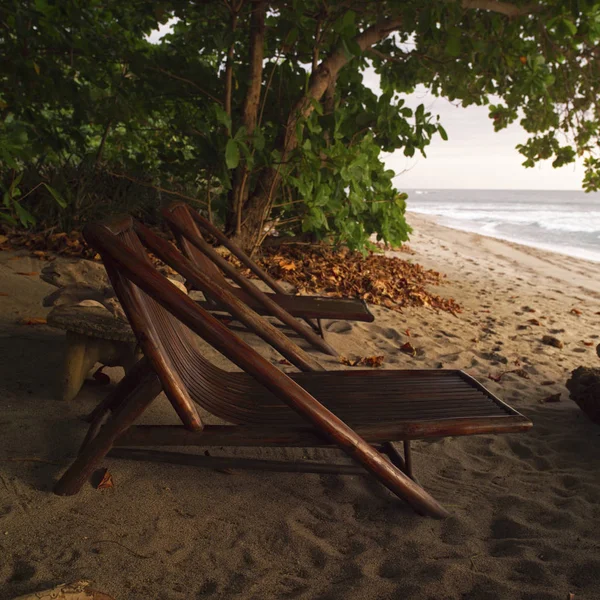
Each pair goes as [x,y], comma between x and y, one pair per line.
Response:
[475,156]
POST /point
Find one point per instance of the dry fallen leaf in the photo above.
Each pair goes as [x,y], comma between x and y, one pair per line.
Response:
[407,332]
[106,482]
[551,398]
[576,312]
[533,322]
[363,361]
[284,361]
[33,321]
[587,343]
[521,373]
[287,266]
[31,274]
[378,279]
[3,294]
[408,348]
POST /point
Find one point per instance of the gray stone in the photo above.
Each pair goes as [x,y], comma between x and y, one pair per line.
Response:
[584,389]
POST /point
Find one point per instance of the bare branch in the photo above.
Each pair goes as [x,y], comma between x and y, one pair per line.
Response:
[188,81]
[156,187]
[504,8]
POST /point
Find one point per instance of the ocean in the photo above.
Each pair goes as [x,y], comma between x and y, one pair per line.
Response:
[567,222]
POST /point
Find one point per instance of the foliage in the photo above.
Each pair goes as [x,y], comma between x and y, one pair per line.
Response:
[260,109]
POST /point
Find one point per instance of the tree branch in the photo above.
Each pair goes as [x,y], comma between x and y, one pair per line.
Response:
[155,187]
[188,81]
[229,63]
[504,8]
[251,104]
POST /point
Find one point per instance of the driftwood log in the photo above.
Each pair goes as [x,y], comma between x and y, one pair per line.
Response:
[79,590]
[584,389]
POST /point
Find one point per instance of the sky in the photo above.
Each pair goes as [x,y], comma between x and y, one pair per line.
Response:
[474,157]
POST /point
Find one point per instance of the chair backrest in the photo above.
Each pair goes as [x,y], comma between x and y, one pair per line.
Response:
[168,344]
[181,211]
[188,215]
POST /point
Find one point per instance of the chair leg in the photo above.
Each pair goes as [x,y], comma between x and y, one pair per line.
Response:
[90,456]
[404,463]
[132,378]
[408,459]
[320,328]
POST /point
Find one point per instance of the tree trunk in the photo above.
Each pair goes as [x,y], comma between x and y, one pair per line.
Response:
[240,188]
[256,209]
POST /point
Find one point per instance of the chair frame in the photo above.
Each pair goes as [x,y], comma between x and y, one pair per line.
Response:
[112,421]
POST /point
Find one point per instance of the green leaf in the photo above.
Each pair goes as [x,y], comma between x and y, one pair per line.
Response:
[442,133]
[25,216]
[351,48]
[259,140]
[223,118]
[232,154]
[453,45]
[570,26]
[57,196]
[317,106]
[13,186]
[8,219]
[348,19]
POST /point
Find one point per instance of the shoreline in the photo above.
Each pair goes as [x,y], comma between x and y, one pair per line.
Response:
[583,254]
[551,266]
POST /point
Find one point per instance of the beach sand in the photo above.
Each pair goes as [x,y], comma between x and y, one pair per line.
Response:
[525,508]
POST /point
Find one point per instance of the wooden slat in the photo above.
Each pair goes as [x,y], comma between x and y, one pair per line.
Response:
[302,436]
[223,462]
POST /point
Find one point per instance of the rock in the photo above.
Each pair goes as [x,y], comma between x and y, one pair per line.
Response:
[72,294]
[78,273]
[178,284]
[550,340]
[598,350]
[81,280]
[584,389]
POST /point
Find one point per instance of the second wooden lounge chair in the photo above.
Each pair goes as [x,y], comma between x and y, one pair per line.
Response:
[187,224]
[361,412]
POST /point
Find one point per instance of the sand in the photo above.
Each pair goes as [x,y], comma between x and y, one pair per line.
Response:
[525,509]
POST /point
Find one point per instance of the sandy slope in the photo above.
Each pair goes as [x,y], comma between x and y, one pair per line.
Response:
[525,508]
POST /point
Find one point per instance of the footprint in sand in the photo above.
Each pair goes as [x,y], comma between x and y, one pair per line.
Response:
[339,327]
[22,571]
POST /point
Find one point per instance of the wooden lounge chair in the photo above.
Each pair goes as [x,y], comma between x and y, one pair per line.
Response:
[361,412]
[186,224]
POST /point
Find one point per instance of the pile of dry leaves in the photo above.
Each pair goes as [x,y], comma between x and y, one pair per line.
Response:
[378,279]
[47,244]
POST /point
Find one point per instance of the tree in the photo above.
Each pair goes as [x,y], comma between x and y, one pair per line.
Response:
[261,107]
